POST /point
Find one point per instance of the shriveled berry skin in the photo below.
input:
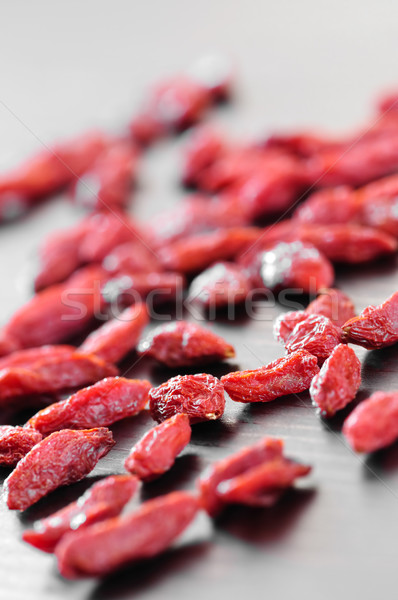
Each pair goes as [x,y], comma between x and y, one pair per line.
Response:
[118,336]
[373,424]
[223,284]
[288,375]
[317,335]
[182,344]
[200,396]
[15,443]
[64,457]
[376,327]
[296,265]
[242,461]
[332,205]
[104,547]
[156,452]
[338,381]
[286,322]
[99,405]
[105,499]
[263,484]
[333,304]
[52,374]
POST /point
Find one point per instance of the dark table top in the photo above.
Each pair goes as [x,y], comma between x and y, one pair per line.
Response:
[67,67]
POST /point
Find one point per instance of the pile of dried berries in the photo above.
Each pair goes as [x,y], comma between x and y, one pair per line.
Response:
[215,248]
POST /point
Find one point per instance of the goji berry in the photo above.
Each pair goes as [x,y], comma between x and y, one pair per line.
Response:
[331,205]
[182,344]
[47,172]
[348,243]
[103,500]
[107,185]
[118,336]
[105,231]
[60,311]
[156,452]
[101,404]
[376,326]
[102,548]
[333,304]
[131,257]
[59,256]
[15,442]
[317,335]
[51,374]
[263,484]
[295,265]
[373,424]
[204,146]
[256,476]
[200,396]
[338,381]
[195,253]
[222,284]
[198,215]
[170,106]
[27,359]
[286,322]
[62,458]
[330,303]
[288,375]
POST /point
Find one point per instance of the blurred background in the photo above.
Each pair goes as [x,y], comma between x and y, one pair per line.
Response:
[72,66]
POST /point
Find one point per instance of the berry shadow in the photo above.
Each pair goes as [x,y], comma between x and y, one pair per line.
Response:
[261,526]
[137,579]
[181,476]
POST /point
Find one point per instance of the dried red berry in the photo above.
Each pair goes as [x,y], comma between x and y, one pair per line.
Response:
[223,284]
[62,458]
[295,265]
[103,500]
[113,340]
[51,374]
[200,396]
[255,476]
[101,404]
[104,547]
[333,304]
[338,381]
[263,484]
[107,185]
[60,311]
[131,257]
[373,424]
[286,322]
[376,326]
[195,253]
[47,172]
[289,375]
[15,442]
[182,344]
[204,147]
[156,452]
[317,334]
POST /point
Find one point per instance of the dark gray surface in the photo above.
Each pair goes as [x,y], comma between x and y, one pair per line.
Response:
[64,68]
